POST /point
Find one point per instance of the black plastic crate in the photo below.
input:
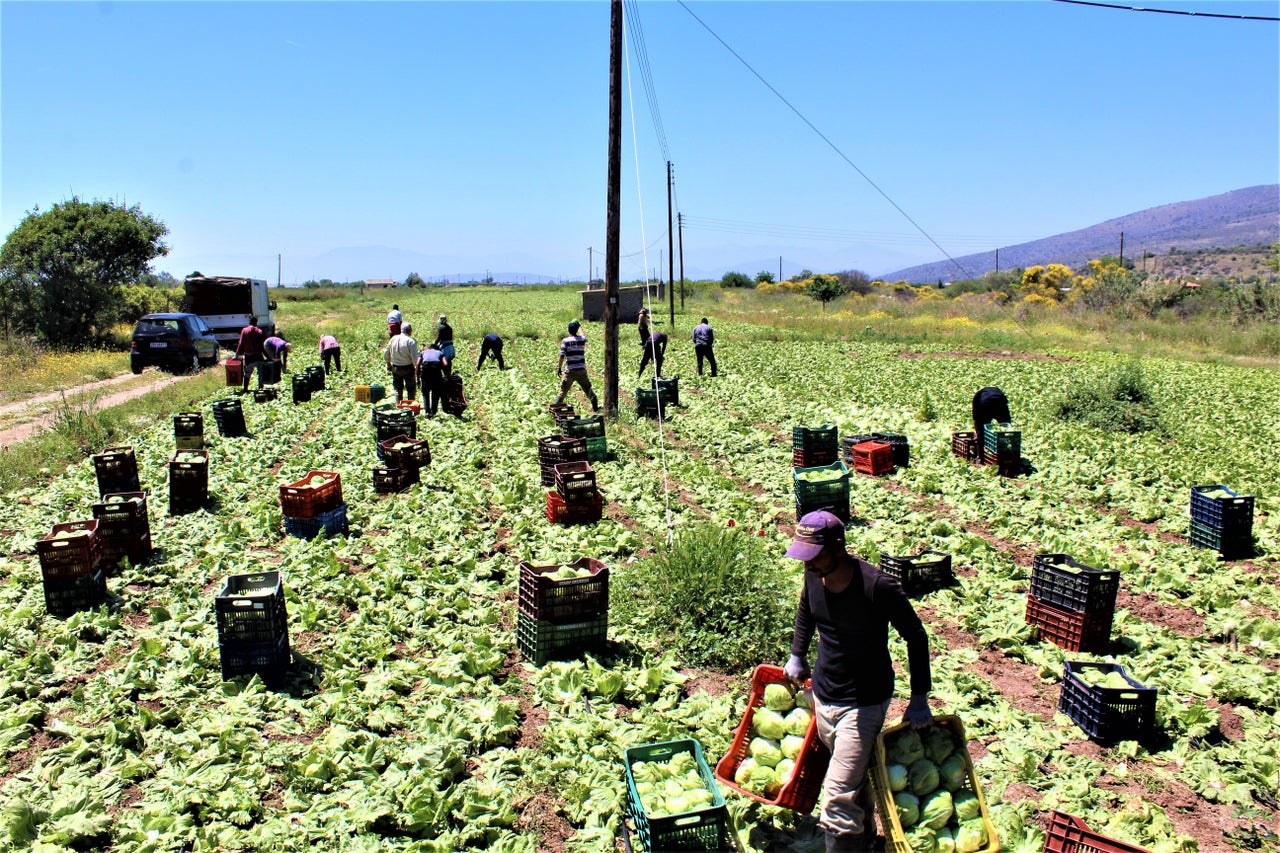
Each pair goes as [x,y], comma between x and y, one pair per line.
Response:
[554,450]
[251,609]
[117,470]
[330,523]
[266,395]
[545,599]
[1231,543]
[899,444]
[391,480]
[575,481]
[229,417]
[540,641]
[188,430]
[268,661]
[122,514]
[72,548]
[651,404]
[921,573]
[315,377]
[1059,580]
[1107,714]
[70,594]
[825,437]
[300,384]
[668,390]
[115,548]
[1230,512]
[839,510]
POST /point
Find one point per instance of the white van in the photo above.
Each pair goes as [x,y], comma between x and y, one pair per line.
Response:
[226,303]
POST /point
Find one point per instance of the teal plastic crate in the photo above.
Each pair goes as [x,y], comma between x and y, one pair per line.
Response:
[832,491]
[1232,544]
[597,449]
[1002,440]
[825,437]
[540,641]
[701,829]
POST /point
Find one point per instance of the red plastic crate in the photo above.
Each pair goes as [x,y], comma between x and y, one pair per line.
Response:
[235,371]
[800,794]
[586,512]
[560,411]
[68,556]
[302,500]
[546,599]
[813,458]
[1068,834]
[410,405]
[1075,631]
[872,457]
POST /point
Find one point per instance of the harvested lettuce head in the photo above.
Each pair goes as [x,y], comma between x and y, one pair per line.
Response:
[906,748]
[952,772]
[765,752]
[798,721]
[897,778]
[791,746]
[778,697]
[938,744]
[966,806]
[766,723]
[908,808]
[922,777]
[936,809]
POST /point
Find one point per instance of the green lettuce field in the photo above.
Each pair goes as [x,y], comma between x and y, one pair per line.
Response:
[409,722]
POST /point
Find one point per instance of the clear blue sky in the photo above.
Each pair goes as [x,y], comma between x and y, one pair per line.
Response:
[370,140]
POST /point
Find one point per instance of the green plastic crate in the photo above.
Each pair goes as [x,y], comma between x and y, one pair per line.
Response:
[1002,440]
[834,491]
[701,829]
[597,449]
[542,641]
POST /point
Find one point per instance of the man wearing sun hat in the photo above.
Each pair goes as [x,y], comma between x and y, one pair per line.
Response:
[851,605]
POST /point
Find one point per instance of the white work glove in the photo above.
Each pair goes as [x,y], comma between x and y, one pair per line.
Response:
[918,713]
[797,669]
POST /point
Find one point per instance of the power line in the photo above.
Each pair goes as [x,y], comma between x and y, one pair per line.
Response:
[830,144]
[1169,11]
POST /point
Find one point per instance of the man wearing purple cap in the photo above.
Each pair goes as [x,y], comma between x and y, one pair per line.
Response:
[851,605]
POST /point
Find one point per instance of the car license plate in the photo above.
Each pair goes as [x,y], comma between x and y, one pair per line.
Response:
[160,345]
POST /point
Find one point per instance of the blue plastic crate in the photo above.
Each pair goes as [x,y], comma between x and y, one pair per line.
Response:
[331,523]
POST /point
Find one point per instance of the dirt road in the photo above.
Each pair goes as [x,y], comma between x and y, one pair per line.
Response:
[42,415]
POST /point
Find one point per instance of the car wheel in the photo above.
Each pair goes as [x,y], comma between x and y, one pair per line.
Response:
[195,363]
[136,368]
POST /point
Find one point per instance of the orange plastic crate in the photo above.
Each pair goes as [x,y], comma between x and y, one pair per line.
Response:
[800,794]
[412,405]
[873,457]
[235,371]
[302,500]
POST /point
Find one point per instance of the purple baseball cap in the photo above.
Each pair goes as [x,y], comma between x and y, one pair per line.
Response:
[815,531]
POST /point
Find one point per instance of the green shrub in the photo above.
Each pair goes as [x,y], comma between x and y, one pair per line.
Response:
[712,599]
[1118,401]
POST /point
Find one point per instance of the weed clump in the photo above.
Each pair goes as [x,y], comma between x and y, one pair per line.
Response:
[1118,401]
[712,599]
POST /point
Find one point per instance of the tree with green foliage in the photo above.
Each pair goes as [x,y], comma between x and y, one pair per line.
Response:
[855,281]
[736,279]
[414,280]
[824,288]
[63,269]
[764,277]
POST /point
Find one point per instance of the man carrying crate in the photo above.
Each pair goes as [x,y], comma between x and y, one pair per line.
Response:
[851,606]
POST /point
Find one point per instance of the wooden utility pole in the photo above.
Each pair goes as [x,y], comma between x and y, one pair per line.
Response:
[671,259]
[1121,250]
[613,198]
[590,261]
[680,219]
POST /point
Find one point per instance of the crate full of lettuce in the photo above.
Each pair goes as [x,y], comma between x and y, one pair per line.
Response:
[927,792]
[776,757]
[672,798]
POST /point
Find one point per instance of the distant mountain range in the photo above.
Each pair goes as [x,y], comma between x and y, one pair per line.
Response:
[1240,217]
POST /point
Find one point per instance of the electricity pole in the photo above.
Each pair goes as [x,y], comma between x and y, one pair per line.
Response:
[1121,250]
[680,219]
[613,197]
[671,260]
[589,262]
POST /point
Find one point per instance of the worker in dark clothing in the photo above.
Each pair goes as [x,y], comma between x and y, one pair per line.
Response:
[850,605]
[989,404]
[444,338]
[433,366]
[249,348]
[491,346]
[655,349]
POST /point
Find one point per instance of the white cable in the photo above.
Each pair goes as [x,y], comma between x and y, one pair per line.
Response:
[657,394]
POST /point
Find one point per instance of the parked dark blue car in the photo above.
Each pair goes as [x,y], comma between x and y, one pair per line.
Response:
[177,342]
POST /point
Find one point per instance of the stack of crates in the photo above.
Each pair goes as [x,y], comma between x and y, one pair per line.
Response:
[71,567]
[1072,604]
[370,393]
[253,627]
[812,447]
[590,430]
[872,457]
[575,499]
[1002,445]
[703,827]
[117,470]
[313,506]
[555,450]
[300,384]
[188,481]
[405,458]
[1222,520]
[188,431]
[899,444]
[822,487]
[562,617]
[1107,713]
[965,445]
[651,403]
[390,421]
[453,400]
[315,377]
[229,416]
[559,412]
[919,574]
[124,528]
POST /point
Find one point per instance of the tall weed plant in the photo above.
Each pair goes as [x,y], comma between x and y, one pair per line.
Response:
[1118,401]
[712,599]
